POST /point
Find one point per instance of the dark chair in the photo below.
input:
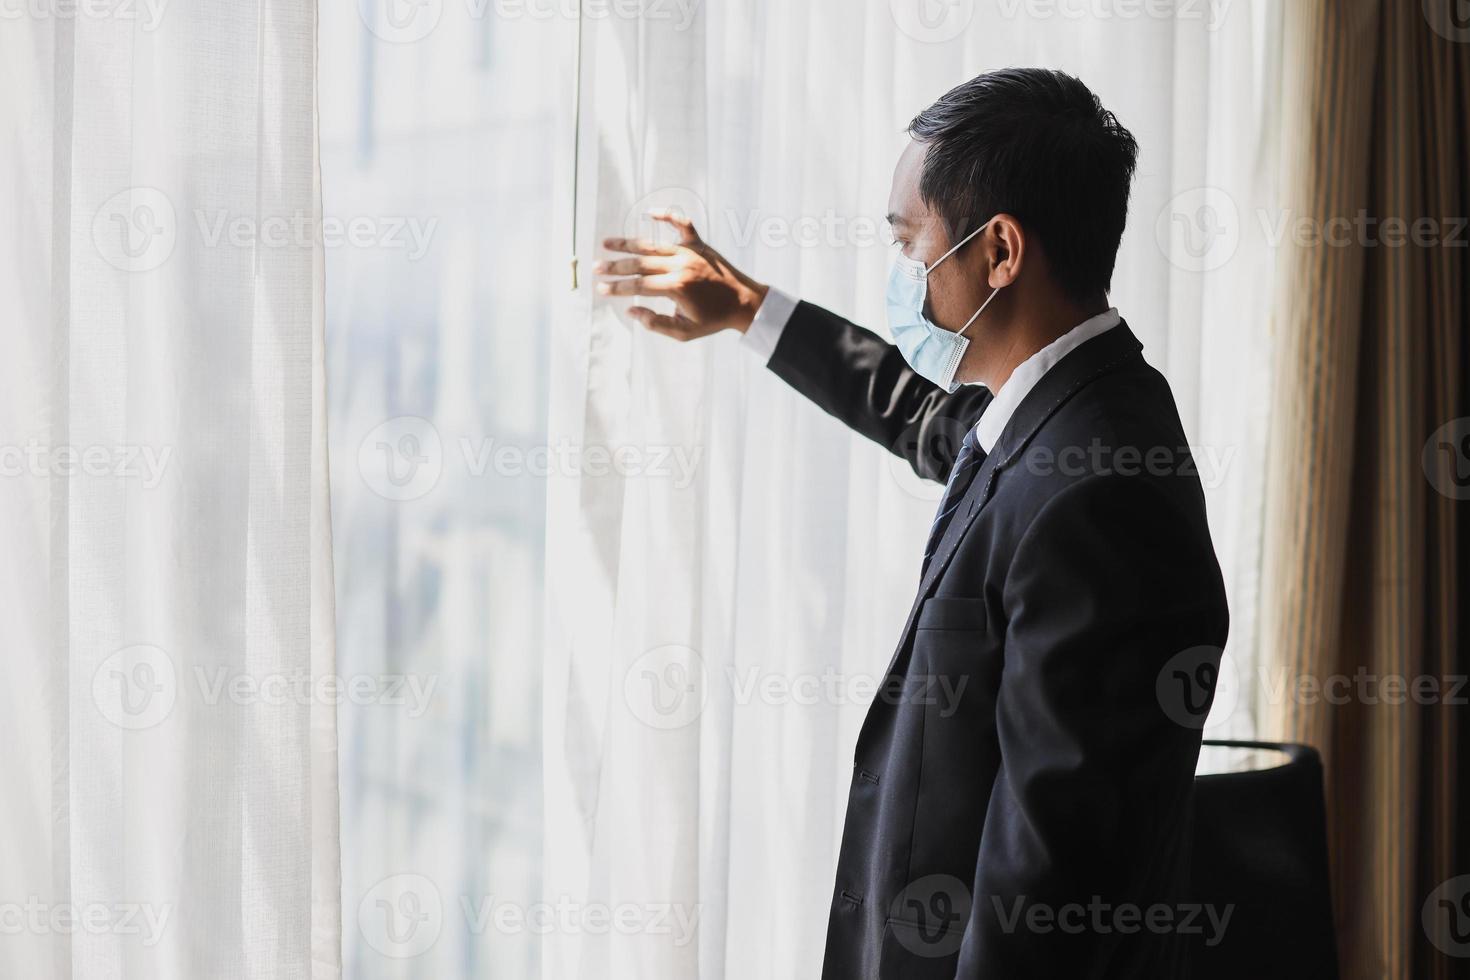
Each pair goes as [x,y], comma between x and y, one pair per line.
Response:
[1260,845]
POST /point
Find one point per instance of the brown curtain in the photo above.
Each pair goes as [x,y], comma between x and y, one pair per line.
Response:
[1365,547]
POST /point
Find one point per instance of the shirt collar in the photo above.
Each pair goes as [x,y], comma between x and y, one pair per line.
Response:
[995,416]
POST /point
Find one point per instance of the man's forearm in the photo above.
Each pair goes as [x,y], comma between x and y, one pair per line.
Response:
[862,380]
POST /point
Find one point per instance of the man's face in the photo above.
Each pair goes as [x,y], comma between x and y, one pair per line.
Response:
[958,286]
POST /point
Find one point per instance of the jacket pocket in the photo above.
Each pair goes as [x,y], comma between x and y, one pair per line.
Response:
[919,951]
[952,613]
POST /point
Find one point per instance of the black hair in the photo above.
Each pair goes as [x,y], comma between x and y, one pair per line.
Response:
[1037,144]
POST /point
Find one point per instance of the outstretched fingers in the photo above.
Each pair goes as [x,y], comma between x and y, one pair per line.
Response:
[638,246]
[638,286]
[678,326]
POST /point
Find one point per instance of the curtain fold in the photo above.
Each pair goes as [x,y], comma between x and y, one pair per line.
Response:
[170,768]
[1364,538]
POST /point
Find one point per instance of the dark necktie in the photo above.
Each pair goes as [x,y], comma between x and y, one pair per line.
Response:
[966,464]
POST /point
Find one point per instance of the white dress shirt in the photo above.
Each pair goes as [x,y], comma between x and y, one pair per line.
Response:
[775,312]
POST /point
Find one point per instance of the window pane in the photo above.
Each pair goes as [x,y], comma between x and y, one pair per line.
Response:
[436,202]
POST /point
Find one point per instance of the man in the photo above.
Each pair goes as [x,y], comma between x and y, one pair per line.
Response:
[1035,822]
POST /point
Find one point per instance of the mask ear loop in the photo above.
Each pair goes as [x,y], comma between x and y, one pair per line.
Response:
[993,294]
[957,247]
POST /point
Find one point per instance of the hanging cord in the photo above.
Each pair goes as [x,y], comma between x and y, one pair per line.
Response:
[576,141]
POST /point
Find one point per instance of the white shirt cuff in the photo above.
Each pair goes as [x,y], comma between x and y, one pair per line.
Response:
[770,320]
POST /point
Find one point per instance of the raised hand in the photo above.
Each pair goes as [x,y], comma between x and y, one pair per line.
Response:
[709,293]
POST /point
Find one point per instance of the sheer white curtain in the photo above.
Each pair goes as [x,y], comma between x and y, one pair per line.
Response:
[725,590]
[169,766]
[438,314]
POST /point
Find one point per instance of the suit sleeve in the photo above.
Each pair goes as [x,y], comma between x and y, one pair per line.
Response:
[863,381]
[1090,806]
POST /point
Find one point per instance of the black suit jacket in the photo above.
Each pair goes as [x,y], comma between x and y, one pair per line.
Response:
[1023,779]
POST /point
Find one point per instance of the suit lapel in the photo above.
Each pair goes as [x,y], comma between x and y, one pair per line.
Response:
[1092,360]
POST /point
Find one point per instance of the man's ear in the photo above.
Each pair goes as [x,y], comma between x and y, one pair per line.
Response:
[1005,249]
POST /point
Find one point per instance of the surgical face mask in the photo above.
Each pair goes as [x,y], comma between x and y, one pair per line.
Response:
[930,350]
